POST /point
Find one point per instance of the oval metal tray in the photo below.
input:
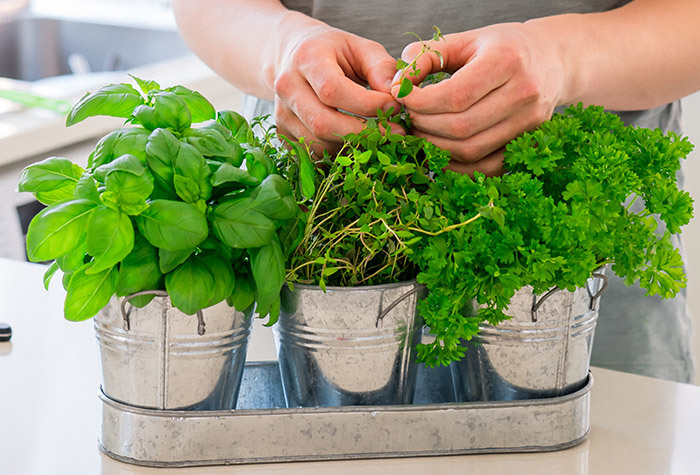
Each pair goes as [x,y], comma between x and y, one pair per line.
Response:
[261,430]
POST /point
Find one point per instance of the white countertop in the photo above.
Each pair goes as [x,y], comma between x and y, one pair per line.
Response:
[50,411]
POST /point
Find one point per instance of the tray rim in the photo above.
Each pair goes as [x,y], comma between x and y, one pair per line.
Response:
[340,457]
[553,401]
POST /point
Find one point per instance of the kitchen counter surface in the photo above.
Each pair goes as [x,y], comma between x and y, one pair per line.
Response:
[50,411]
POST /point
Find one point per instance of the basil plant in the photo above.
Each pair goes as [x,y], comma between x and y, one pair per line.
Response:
[182,199]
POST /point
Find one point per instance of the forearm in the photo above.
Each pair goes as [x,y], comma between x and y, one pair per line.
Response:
[639,56]
[242,40]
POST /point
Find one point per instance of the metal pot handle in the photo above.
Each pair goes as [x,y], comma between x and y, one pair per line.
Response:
[536,304]
[403,297]
[158,293]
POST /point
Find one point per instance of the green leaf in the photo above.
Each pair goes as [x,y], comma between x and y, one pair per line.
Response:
[128,182]
[243,294]
[228,173]
[222,272]
[199,107]
[186,188]
[168,111]
[307,170]
[237,225]
[127,140]
[211,143]
[50,271]
[190,286]
[56,196]
[401,64]
[87,294]
[275,199]
[110,238]
[162,150]
[51,174]
[234,122]
[189,163]
[139,269]
[115,100]
[146,85]
[58,229]
[86,188]
[405,88]
[257,162]
[169,260]
[267,264]
[172,225]
[73,260]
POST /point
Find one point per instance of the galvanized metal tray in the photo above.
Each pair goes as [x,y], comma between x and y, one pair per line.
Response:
[261,430]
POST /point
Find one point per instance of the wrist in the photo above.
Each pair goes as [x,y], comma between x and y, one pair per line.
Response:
[560,37]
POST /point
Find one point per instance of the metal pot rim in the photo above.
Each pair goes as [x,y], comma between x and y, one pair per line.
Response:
[358,288]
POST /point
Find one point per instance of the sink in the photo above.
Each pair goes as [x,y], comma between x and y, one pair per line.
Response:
[35,48]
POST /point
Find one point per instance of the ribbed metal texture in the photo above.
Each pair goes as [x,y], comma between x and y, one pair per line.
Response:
[161,362]
[334,350]
[543,351]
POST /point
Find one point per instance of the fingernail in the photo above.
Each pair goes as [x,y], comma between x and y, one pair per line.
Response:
[391,105]
[396,79]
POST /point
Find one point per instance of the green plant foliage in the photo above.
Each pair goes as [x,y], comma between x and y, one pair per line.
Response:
[567,209]
[581,192]
[164,205]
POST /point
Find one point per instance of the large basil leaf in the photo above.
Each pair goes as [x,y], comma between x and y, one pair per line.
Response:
[200,108]
[227,173]
[168,260]
[173,225]
[56,196]
[146,85]
[48,175]
[161,151]
[237,225]
[168,111]
[234,122]
[128,183]
[86,188]
[88,293]
[243,294]
[257,162]
[190,286]
[58,229]
[139,271]
[110,238]
[212,143]
[73,260]
[127,140]
[267,264]
[222,272]
[234,153]
[191,164]
[275,199]
[116,100]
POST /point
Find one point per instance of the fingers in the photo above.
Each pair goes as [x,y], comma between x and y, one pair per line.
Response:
[509,100]
[482,144]
[491,165]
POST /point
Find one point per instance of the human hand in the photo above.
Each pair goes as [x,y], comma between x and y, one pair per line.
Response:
[505,79]
[324,70]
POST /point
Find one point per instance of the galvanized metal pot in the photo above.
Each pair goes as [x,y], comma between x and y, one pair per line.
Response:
[159,358]
[543,351]
[349,345]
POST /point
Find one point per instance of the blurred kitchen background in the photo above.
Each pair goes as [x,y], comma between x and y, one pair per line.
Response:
[60,49]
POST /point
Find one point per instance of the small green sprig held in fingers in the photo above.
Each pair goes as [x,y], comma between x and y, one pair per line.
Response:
[411,69]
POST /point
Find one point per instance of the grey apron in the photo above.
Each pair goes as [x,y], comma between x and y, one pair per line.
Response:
[637,334]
